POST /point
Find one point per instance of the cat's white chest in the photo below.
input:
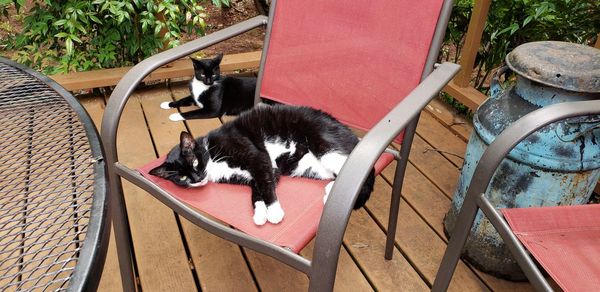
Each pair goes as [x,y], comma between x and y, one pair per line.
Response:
[218,171]
[197,88]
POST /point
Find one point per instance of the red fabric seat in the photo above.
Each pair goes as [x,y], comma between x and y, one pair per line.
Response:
[301,199]
[565,240]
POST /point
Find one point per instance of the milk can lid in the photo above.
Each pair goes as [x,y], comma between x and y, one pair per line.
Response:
[563,65]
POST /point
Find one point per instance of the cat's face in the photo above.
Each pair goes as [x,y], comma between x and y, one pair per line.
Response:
[186,164]
[207,70]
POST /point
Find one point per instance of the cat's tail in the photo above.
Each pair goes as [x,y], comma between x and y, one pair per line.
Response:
[365,191]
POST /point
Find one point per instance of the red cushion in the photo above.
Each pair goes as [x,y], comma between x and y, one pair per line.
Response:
[300,198]
[353,59]
[565,240]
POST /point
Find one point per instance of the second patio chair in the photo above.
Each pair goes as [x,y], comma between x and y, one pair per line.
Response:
[565,240]
[368,63]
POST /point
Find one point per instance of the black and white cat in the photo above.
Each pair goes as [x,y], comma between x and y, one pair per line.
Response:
[258,147]
[214,95]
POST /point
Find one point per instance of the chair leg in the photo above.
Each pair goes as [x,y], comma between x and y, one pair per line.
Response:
[122,235]
[458,237]
[397,187]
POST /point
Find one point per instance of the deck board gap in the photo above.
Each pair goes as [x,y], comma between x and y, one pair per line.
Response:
[188,253]
[252,274]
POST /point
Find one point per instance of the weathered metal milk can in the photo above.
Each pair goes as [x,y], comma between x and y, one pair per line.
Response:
[558,165]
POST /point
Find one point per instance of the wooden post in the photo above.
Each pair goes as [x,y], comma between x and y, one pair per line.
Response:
[597,45]
[472,42]
[459,87]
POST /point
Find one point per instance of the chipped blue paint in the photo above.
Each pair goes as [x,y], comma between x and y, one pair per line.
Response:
[558,165]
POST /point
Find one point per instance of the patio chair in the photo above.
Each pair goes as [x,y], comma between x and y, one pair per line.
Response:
[565,240]
[369,64]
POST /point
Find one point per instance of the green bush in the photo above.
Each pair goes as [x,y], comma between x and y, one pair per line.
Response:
[514,22]
[78,35]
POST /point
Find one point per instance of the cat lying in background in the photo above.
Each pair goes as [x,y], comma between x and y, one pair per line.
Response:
[258,147]
[213,94]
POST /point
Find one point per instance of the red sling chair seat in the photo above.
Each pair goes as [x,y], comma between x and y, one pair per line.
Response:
[367,63]
[565,241]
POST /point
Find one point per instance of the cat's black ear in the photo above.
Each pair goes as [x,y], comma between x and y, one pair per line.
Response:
[160,171]
[196,63]
[218,58]
[186,141]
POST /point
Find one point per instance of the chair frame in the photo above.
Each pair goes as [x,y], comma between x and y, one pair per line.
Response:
[476,198]
[322,269]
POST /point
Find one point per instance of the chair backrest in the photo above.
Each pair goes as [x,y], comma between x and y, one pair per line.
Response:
[353,59]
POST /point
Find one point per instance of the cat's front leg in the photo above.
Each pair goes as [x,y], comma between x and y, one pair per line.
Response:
[205,113]
[186,101]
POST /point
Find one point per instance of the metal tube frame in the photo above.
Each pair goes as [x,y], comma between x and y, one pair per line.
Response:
[475,198]
[322,269]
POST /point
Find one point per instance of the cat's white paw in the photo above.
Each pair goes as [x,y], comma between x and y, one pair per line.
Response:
[176,117]
[260,213]
[275,213]
[328,188]
[165,105]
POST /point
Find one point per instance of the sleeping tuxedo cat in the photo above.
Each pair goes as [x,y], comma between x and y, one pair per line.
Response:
[258,147]
[213,95]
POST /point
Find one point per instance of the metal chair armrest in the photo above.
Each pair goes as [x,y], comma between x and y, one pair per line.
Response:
[350,179]
[133,77]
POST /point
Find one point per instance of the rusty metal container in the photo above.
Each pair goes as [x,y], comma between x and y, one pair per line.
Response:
[558,165]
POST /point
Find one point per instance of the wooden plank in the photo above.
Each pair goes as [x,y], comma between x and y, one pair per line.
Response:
[419,243]
[472,41]
[219,264]
[366,242]
[161,258]
[434,166]
[429,202]
[442,141]
[349,277]
[452,121]
[467,95]
[111,275]
[179,68]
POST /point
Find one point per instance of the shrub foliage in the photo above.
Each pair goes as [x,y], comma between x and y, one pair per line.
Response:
[79,35]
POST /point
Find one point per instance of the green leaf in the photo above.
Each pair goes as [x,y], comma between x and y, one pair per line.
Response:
[60,22]
[69,46]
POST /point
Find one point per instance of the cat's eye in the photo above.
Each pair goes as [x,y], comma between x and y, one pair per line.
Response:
[183,178]
[195,164]
[202,75]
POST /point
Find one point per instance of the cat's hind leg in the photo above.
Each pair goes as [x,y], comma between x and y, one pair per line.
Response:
[333,162]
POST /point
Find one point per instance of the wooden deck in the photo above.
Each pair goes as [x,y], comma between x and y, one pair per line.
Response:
[171,254]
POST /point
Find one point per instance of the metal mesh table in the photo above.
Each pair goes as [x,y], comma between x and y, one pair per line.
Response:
[53,202]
